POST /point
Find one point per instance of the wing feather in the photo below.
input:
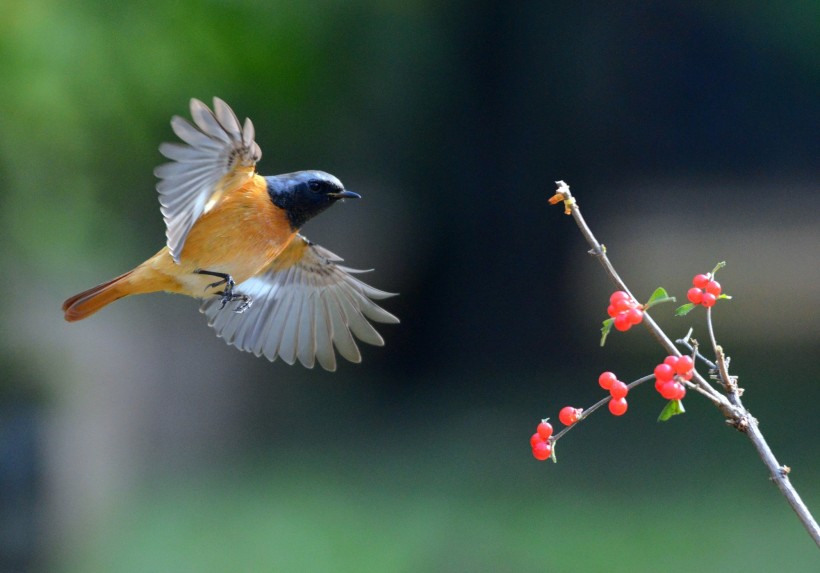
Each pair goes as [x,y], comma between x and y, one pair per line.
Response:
[290,330]
[275,330]
[303,311]
[356,321]
[324,336]
[306,346]
[342,339]
[228,120]
[217,155]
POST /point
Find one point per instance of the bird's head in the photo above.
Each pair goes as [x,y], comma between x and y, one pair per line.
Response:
[305,194]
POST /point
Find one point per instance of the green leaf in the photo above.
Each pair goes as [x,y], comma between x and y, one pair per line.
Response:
[660,295]
[605,329]
[672,408]
[726,296]
[684,309]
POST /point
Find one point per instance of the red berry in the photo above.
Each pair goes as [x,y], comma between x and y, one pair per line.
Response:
[618,390]
[634,315]
[684,365]
[610,310]
[713,287]
[569,415]
[617,406]
[688,375]
[671,360]
[708,299]
[700,281]
[622,322]
[541,451]
[535,439]
[664,372]
[672,390]
[544,430]
[618,295]
[695,295]
[622,305]
[669,389]
[606,379]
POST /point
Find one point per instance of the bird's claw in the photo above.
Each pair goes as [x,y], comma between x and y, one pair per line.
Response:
[228,295]
[244,304]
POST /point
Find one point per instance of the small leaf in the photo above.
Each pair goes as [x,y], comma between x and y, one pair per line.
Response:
[605,329]
[684,309]
[660,295]
[660,292]
[726,296]
[672,408]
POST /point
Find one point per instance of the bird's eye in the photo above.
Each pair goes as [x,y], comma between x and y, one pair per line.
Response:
[315,184]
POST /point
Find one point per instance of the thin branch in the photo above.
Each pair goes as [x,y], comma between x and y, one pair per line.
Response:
[730,405]
[692,348]
[779,473]
[597,405]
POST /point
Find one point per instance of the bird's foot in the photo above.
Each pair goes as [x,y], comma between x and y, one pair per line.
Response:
[245,301]
[224,279]
[228,295]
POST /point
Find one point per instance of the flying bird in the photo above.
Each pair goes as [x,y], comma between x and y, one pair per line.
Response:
[233,240]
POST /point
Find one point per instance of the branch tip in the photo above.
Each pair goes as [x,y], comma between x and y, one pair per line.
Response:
[563,194]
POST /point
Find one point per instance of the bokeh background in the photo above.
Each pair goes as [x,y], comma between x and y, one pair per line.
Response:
[138,441]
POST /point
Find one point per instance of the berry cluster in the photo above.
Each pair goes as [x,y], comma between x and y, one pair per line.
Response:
[669,376]
[540,441]
[705,291]
[617,389]
[625,310]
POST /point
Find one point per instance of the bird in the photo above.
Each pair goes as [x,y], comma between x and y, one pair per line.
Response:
[234,241]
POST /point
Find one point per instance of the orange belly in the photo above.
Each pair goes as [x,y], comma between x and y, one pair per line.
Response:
[241,235]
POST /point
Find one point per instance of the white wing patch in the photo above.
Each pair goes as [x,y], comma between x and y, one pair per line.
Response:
[303,311]
[217,154]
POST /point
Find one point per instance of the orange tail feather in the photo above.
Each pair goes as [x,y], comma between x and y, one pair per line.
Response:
[86,303]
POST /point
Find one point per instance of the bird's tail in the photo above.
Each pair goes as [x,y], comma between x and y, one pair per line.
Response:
[86,303]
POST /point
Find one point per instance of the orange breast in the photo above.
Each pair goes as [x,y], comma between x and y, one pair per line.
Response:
[239,236]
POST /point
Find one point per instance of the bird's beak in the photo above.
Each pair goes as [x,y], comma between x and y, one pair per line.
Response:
[345,195]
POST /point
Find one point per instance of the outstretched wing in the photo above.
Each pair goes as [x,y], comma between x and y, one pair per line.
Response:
[218,155]
[304,304]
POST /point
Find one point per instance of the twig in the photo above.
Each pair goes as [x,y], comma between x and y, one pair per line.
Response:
[597,405]
[779,473]
[730,405]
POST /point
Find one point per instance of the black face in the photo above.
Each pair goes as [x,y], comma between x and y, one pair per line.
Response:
[305,194]
[323,187]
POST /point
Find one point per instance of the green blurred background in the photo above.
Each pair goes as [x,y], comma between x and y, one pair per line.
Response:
[138,441]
